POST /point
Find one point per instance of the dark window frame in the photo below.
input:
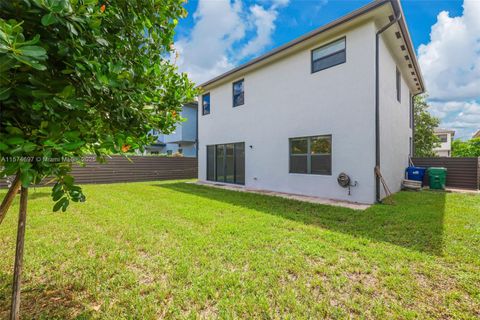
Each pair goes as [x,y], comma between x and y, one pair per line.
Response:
[233,93]
[312,71]
[398,84]
[209,103]
[309,154]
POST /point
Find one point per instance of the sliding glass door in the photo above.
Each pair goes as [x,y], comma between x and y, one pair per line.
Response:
[220,162]
[239,163]
[226,163]
[229,163]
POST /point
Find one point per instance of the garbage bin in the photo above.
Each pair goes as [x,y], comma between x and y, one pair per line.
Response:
[415,173]
[437,177]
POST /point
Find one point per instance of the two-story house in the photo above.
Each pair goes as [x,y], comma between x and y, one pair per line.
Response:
[336,100]
[446,138]
[183,140]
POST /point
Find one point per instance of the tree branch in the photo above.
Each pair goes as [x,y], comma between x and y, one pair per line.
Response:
[7,201]
[17,270]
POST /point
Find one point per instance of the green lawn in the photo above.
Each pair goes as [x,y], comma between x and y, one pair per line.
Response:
[178,250]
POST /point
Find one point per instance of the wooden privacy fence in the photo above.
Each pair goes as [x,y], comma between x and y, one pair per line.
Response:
[461,172]
[140,168]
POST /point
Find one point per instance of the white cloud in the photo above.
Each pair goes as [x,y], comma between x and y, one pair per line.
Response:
[218,25]
[451,61]
[264,21]
[225,32]
[463,116]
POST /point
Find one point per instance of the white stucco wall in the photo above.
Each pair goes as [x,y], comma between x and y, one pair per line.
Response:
[284,100]
[445,148]
[395,131]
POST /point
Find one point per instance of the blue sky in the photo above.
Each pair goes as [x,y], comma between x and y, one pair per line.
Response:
[218,35]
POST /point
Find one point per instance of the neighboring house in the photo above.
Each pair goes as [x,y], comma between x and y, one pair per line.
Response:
[446,138]
[476,134]
[295,118]
[183,140]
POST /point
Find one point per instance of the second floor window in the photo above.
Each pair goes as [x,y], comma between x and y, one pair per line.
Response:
[206,104]
[329,55]
[238,93]
[443,138]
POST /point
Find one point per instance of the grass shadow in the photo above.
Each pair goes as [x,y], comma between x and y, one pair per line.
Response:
[42,302]
[415,221]
[38,195]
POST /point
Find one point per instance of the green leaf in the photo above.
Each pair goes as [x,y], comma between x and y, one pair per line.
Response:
[29,147]
[103,79]
[72,135]
[3,146]
[71,28]
[56,187]
[37,106]
[14,131]
[59,5]
[73,145]
[65,205]
[57,195]
[68,180]
[68,91]
[76,188]
[26,177]
[49,19]
[38,66]
[102,41]
[30,62]
[40,93]
[6,63]
[30,42]
[33,51]
[60,204]
[15,141]
[4,93]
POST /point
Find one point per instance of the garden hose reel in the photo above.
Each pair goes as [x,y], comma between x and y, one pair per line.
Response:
[345,181]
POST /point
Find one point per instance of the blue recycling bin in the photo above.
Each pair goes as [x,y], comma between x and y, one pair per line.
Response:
[415,173]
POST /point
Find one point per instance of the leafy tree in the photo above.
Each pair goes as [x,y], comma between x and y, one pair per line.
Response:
[81,77]
[424,139]
[469,148]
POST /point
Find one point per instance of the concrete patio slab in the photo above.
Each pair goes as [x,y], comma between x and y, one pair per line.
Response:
[331,202]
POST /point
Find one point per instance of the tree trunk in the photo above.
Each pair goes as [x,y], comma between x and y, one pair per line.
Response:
[17,271]
[7,201]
